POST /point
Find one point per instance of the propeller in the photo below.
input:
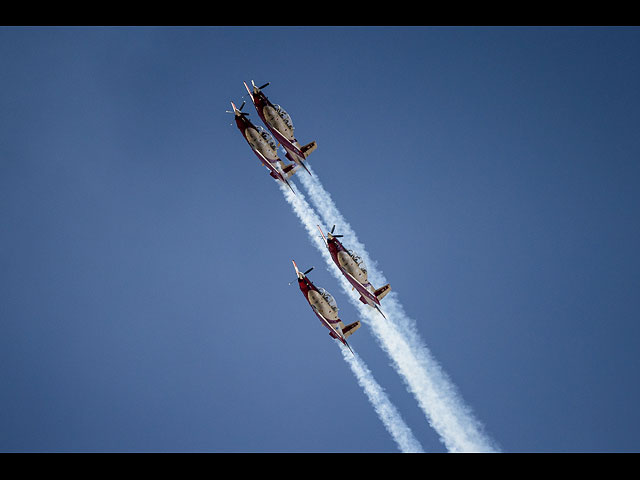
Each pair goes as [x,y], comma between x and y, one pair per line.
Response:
[256,89]
[335,236]
[237,111]
[304,273]
[330,235]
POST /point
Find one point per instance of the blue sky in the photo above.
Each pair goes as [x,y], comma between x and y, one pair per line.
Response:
[492,173]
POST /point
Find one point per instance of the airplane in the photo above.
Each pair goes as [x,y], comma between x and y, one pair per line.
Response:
[279,123]
[325,308]
[263,145]
[354,270]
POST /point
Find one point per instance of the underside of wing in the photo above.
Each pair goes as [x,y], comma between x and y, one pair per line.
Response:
[327,323]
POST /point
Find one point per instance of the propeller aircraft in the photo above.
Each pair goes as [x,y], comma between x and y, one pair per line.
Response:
[325,308]
[354,270]
[279,123]
[263,145]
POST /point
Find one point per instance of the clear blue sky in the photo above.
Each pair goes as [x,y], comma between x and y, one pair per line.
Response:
[145,253]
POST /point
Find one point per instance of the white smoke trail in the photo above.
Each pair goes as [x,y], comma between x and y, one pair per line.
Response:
[383,407]
[436,395]
[386,411]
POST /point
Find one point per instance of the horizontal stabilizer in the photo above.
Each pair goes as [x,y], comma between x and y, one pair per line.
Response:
[308,148]
[349,329]
[290,169]
[382,291]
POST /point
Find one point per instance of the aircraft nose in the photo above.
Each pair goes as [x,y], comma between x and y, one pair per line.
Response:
[300,276]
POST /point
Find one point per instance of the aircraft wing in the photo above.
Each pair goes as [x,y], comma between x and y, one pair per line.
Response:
[327,323]
[273,170]
[362,290]
[332,331]
[289,147]
[286,143]
[263,159]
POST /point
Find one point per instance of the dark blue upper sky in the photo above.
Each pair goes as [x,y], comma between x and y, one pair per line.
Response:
[146,254]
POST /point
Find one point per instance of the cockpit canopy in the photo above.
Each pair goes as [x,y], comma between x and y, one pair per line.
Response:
[284,115]
[327,296]
[268,137]
[358,260]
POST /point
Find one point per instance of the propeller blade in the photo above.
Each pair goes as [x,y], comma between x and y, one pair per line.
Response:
[298,271]
[338,236]
[236,110]
[266,84]
[332,229]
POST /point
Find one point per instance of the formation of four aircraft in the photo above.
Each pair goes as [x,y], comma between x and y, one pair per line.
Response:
[265,147]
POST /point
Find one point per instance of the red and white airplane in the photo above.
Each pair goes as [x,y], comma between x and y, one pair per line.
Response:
[263,145]
[354,270]
[279,123]
[325,308]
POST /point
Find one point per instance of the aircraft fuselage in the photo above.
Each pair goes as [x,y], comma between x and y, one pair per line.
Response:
[349,264]
[325,308]
[342,257]
[278,126]
[317,300]
[260,144]
[273,119]
[357,276]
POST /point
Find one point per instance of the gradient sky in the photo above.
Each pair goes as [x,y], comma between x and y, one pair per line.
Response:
[146,254]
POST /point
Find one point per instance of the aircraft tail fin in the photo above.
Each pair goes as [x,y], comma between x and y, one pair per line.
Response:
[382,291]
[308,148]
[349,329]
